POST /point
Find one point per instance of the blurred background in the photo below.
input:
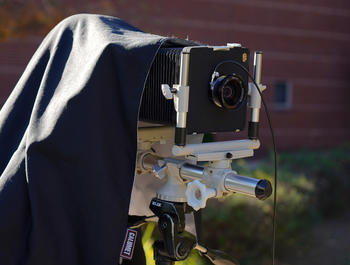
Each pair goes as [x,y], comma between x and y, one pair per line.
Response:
[306,64]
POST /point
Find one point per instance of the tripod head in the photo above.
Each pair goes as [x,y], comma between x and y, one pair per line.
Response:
[194,184]
[175,245]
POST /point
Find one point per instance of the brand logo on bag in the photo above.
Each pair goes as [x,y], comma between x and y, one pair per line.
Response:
[129,244]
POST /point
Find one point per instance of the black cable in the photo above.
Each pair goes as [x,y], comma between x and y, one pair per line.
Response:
[274,152]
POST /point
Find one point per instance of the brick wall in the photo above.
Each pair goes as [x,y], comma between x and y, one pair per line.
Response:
[305,43]
[14,56]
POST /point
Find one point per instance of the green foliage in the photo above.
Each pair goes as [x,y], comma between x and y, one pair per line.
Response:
[346,261]
[329,170]
[308,189]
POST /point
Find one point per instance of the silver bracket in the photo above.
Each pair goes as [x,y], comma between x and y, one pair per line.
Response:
[252,86]
[218,156]
[167,91]
[179,94]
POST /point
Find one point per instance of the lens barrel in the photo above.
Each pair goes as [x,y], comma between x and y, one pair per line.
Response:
[228,91]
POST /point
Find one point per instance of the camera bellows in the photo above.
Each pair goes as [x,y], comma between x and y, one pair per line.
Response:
[214,105]
[165,69]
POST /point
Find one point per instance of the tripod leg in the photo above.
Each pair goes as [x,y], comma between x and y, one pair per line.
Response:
[160,257]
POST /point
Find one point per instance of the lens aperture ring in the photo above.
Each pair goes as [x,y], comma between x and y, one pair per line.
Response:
[228,91]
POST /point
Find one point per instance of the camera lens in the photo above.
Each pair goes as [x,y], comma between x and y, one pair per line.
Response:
[228,91]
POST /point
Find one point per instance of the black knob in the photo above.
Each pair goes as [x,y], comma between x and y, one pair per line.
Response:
[263,189]
[229,155]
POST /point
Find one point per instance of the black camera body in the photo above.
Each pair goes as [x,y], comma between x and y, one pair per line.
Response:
[218,88]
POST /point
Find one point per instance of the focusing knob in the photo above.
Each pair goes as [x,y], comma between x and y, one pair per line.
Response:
[263,189]
[197,194]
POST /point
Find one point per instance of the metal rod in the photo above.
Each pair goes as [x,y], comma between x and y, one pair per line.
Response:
[215,146]
[240,184]
[191,172]
[181,99]
[255,99]
[257,66]
[181,117]
[255,96]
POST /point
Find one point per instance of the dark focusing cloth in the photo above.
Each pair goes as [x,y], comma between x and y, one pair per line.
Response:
[68,143]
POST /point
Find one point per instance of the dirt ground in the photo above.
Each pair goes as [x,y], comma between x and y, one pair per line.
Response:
[329,244]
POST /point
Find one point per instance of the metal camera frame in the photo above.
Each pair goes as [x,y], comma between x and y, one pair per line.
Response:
[187,184]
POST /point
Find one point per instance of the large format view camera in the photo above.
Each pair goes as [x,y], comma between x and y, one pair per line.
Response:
[216,103]
[191,91]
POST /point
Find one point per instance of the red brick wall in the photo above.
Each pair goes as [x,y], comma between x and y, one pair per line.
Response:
[14,56]
[304,42]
